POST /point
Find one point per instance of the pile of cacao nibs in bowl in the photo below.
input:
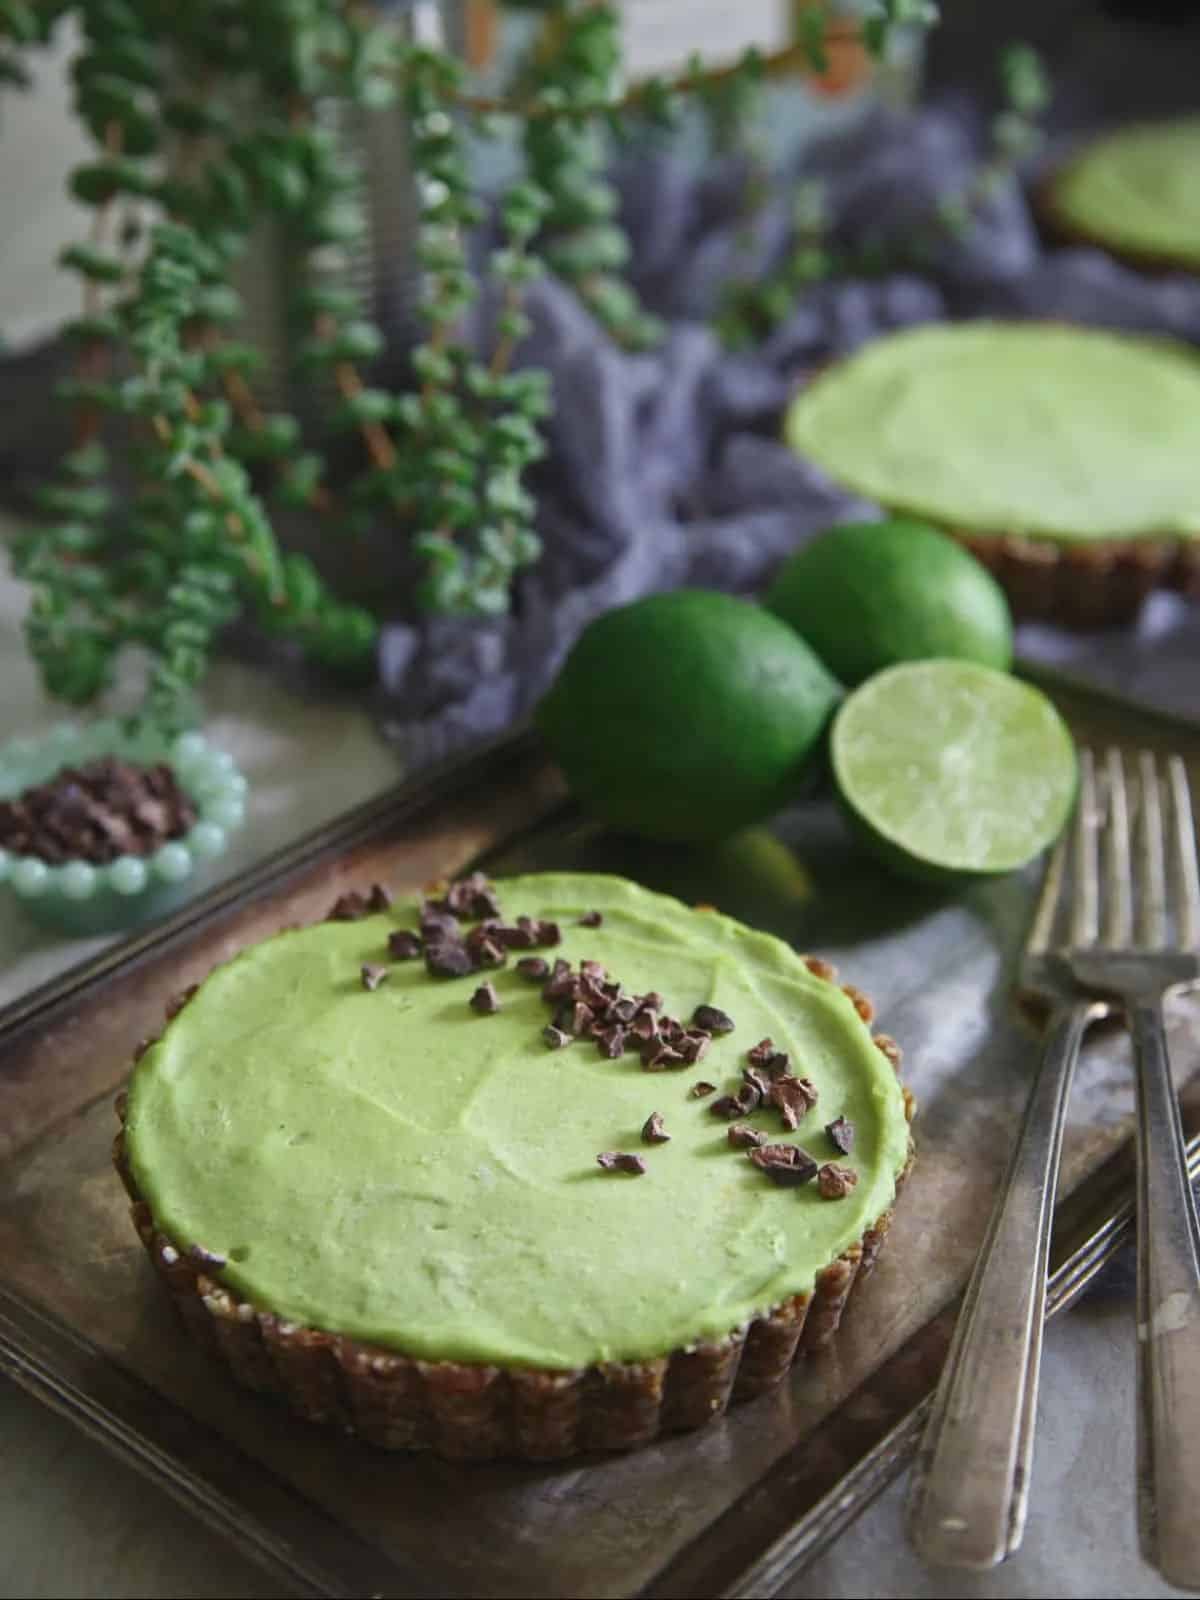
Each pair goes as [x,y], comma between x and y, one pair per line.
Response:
[100,821]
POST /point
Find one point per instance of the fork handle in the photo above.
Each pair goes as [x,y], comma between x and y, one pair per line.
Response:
[971,1479]
[1168,1315]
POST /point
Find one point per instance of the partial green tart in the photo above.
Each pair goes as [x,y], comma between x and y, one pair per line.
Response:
[375,1195]
[1135,192]
[1064,456]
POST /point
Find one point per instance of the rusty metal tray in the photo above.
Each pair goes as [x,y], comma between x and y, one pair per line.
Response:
[735,1509]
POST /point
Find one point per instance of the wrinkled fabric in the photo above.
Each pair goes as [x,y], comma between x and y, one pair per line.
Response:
[667,468]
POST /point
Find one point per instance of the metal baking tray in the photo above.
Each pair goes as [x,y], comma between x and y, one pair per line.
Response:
[735,1509]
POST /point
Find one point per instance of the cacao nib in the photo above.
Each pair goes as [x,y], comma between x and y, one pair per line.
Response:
[618,1161]
[795,1098]
[404,944]
[785,1164]
[485,1000]
[841,1135]
[712,1019]
[448,960]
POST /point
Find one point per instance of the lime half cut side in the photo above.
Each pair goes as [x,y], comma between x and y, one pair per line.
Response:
[953,769]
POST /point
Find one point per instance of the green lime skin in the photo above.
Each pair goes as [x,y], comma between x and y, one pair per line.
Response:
[684,716]
[950,770]
[869,594]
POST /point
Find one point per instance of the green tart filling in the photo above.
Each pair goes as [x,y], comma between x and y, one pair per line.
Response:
[383,1159]
[1137,190]
[1059,432]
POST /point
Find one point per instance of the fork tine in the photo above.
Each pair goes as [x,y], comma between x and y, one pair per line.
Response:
[1187,872]
[1152,905]
[1041,929]
[1118,901]
[1085,900]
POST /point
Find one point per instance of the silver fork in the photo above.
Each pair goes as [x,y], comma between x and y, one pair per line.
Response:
[1147,959]
[972,1476]
[970,1482]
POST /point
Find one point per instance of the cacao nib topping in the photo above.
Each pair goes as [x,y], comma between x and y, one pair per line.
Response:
[662,1059]
[743,1137]
[592,993]
[653,1131]
[767,1059]
[555,1037]
[748,1097]
[177,1001]
[795,1098]
[372,974]
[699,1090]
[671,1029]
[595,970]
[618,1161]
[490,954]
[651,1002]
[203,1257]
[582,1017]
[785,1164]
[841,1135]
[695,1046]
[623,1010]
[644,1026]
[611,1042]
[758,1080]
[548,933]
[741,1104]
[485,1000]
[379,899]
[437,925]
[404,944]
[513,938]
[535,968]
[562,982]
[448,960]
[836,1182]
[712,1019]
[591,919]
[471,897]
[348,907]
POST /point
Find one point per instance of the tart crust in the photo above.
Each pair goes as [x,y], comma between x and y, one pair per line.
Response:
[1084,586]
[477,1412]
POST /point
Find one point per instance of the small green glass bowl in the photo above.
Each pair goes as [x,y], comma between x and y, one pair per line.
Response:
[79,897]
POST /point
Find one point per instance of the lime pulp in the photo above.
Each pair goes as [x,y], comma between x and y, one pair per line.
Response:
[951,768]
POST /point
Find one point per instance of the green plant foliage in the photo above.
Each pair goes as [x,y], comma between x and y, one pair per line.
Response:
[203,123]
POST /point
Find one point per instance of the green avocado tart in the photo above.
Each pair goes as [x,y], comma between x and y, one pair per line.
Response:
[1065,457]
[520,1169]
[1134,192]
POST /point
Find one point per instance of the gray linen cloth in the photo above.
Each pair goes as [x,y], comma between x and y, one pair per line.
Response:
[668,468]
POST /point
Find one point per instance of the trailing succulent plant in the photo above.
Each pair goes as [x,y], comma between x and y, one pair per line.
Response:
[158,527]
[749,310]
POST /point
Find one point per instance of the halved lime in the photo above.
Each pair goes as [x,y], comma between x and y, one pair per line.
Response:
[953,769]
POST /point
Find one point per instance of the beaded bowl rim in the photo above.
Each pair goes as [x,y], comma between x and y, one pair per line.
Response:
[209,775]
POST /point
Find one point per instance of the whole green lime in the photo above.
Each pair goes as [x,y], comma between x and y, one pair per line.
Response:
[869,594]
[953,770]
[687,715]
